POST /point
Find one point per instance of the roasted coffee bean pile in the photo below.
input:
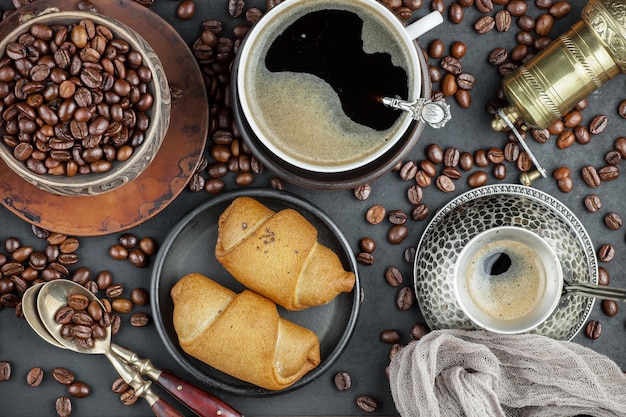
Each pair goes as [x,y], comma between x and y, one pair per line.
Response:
[75,99]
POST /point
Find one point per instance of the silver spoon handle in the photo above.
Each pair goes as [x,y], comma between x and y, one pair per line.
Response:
[142,387]
[199,401]
[597,291]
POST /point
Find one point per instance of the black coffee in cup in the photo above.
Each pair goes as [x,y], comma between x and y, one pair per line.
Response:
[313,77]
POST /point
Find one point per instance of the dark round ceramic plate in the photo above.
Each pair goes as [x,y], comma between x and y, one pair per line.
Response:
[190,247]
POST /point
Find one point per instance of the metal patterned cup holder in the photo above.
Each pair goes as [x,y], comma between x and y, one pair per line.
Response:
[489,207]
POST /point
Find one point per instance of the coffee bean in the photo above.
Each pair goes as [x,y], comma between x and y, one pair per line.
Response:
[5,371]
[499,171]
[606,253]
[458,49]
[613,221]
[186,9]
[409,255]
[362,192]
[463,98]
[540,135]
[495,155]
[609,307]
[477,179]
[608,173]
[34,377]
[397,217]
[366,403]
[390,336]
[593,203]
[436,49]
[422,179]
[366,244]
[63,376]
[503,20]
[343,381]
[393,276]
[561,173]
[498,56]
[449,85]
[604,277]
[465,81]
[78,389]
[415,194]
[565,139]
[408,170]
[148,245]
[455,13]
[480,158]
[484,6]
[445,184]
[119,386]
[452,172]
[397,233]
[118,252]
[613,157]
[484,24]
[365,258]
[566,185]
[590,176]
[582,135]
[524,37]
[63,406]
[434,153]
[466,161]
[235,7]
[593,330]
[405,298]
[598,124]
[138,258]
[452,65]
[128,397]
[375,214]
[122,305]
[544,24]
[420,212]
[77,301]
[419,330]
[139,320]
[451,157]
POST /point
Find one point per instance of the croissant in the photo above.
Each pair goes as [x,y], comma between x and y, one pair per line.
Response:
[276,254]
[241,334]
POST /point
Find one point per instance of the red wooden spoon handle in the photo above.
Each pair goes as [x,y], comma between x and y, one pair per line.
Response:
[162,409]
[199,401]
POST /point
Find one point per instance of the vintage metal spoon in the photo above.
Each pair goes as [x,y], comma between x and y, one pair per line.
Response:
[596,291]
[142,388]
[51,296]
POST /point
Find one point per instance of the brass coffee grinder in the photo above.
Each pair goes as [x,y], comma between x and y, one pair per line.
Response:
[574,65]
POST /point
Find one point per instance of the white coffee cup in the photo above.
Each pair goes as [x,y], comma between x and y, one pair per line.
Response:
[298,141]
[508,280]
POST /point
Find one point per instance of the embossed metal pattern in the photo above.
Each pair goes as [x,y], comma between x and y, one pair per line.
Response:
[607,19]
[502,205]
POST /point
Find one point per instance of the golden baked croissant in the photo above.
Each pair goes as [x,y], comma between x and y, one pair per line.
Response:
[276,254]
[241,334]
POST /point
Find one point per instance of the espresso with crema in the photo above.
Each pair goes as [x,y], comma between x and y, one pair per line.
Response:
[506,279]
[315,77]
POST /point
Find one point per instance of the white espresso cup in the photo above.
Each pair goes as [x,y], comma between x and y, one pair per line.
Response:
[306,110]
[508,280]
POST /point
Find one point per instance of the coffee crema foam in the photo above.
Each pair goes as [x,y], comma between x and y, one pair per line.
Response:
[514,293]
[300,114]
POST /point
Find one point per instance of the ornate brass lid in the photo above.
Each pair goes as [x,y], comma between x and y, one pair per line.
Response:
[607,20]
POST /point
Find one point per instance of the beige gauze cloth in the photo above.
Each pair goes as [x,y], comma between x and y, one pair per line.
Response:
[477,373]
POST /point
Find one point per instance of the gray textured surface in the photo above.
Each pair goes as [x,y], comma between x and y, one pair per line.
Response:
[366,357]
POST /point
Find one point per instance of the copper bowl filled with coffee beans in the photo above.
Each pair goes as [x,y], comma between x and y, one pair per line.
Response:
[85,102]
